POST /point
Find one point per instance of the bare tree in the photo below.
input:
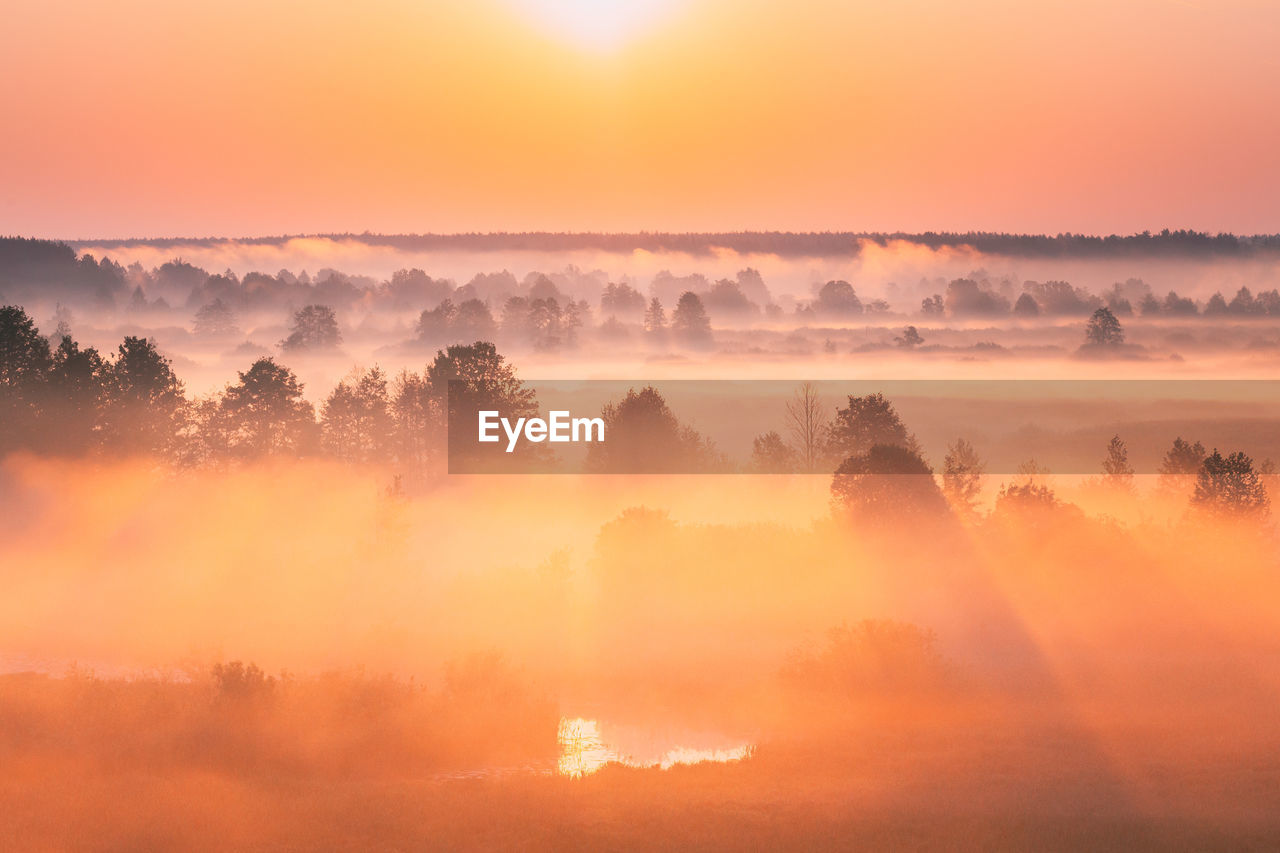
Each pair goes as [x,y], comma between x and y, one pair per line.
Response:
[807,426]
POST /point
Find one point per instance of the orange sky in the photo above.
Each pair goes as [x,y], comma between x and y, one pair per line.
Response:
[155,118]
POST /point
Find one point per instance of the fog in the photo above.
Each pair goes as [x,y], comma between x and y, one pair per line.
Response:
[1037,617]
[1114,661]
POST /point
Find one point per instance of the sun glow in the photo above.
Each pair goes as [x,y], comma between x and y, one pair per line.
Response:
[583,751]
[601,25]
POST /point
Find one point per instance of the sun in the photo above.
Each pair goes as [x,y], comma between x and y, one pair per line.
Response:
[598,25]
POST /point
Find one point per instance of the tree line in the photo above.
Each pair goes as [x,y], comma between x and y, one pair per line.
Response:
[788,243]
[69,399]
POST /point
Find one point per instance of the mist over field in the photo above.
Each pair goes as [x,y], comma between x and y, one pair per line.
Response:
[639,425]
[866,597]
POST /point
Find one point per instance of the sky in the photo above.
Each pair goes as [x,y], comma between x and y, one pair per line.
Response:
[148,118]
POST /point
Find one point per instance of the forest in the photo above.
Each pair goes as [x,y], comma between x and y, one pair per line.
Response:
[248,579]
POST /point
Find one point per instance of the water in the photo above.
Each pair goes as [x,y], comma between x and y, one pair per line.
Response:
[584,749]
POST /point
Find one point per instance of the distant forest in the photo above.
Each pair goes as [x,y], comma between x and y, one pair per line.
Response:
[784,243]
[547,310]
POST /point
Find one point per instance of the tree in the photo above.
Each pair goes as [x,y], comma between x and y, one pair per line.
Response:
[546,320]
[643,436]
[1116,467]
[966,297]
[838,299]
[574,317]
[25,362]
[689,322]
[265,412]
[216,320]
[417,422]
[1029,496]
[62,319]
[1215,305]
[621,299]
[1180,465]
[1243,302]
[474,322]
[909,339]
[1182,459]
[655,321]
[466,380]
[1175,305]
[1026,306]
[77,393]
[315,327]
[408,288]
[1104,329]
[435,324]
[933,306]
[1229,487]
[807,426]
[866,422]
[355,421]
[1026,498]
[962,470]
[206,435]
[886,483]
[25,358]
[145,400]
[726,297]
[771,455]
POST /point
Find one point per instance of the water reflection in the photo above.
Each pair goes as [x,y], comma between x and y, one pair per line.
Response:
[584,751]
[581,749]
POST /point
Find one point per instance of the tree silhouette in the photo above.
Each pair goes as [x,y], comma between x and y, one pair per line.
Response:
[435,324]
[473,322]
[25,362]
[771,455]
[315,327]
[866,422]
[1115,466]
[689,322]
[1228,486]
[417,422]
[78,392]
[266,413]
[967,297]
[465,380]
[655,321]
[643,436]
[887,483]
[1026,498]
[61,324]
[962,470]
[909,339]
[1026,306]
[1216,305]
[1103,329]
[1183,458]
[145,402]
[726,298]
[408,288]
[837,299]
[621,299]
[355,420]
[1029,497]
[808,426]
[216,320]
